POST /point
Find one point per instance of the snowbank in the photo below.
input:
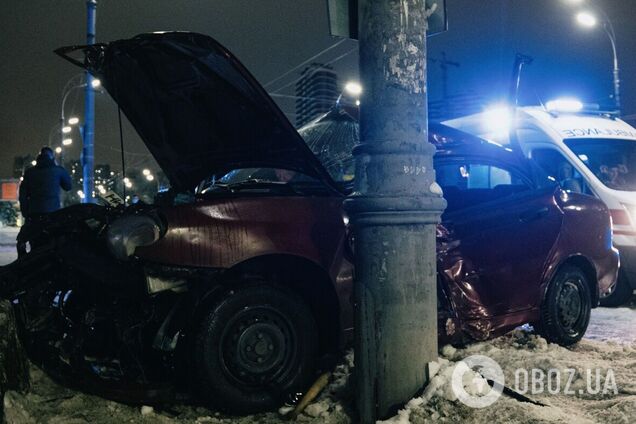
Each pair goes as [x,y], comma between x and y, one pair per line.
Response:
[520,349]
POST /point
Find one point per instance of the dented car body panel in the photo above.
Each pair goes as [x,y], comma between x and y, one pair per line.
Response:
[221,233]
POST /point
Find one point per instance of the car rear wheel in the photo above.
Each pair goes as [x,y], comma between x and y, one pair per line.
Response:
[253,348]
[565,312]
[621,294]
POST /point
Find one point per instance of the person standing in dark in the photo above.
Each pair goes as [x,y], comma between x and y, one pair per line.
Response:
[40,189]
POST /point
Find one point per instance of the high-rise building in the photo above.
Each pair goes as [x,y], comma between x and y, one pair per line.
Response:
[316,92]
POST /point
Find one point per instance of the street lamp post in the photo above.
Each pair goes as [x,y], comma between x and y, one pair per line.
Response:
[88,151]
[587,19]
[395,208]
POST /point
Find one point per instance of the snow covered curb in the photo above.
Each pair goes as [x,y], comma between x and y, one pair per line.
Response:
[525,351]
[519,349]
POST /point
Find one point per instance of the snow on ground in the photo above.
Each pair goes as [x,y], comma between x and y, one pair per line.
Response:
[520,349]
[7,244]
[615,324]
[609,346]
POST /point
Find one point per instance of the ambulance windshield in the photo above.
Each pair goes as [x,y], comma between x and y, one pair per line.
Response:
[612,160]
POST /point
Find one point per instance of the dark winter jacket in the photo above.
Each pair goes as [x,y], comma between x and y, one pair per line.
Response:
[40,188]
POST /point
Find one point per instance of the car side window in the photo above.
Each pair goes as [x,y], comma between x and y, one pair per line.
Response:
[466,184]
[560,169]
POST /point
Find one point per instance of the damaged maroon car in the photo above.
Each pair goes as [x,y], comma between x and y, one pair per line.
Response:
[236,285]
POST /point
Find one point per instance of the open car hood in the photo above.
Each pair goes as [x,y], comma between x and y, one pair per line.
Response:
[196,107]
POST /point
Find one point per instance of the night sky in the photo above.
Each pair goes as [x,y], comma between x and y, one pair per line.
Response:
[272,36]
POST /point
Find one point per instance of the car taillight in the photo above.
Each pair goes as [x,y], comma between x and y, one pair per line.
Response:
[619,217]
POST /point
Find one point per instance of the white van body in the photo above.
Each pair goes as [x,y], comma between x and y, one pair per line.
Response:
[584,140]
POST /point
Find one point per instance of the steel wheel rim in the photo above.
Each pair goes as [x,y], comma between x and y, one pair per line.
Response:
[258,346]
[570,306]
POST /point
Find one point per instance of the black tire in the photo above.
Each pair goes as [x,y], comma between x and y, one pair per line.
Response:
[621,294]
[254,347]
[565,311]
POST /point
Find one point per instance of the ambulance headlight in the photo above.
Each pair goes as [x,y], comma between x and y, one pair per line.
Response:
[631,215]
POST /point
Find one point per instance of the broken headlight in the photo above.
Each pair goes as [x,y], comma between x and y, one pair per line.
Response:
[129,232]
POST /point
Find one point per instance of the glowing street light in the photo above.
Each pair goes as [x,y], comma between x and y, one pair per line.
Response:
[150,177]
[67,142]
[146,172]
[353,88]
[33,163]
[66,129]
[73,120]
[58,150]
[586,19]
[96,83]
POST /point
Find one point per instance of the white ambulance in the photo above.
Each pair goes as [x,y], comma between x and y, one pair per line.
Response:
[586,151]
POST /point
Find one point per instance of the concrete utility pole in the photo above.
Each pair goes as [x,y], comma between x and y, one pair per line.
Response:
[394,209]
[88,151]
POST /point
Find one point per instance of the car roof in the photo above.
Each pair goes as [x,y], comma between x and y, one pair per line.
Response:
[450,141]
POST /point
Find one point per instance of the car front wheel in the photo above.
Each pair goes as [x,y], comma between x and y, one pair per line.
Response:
[565,312]
[255,346]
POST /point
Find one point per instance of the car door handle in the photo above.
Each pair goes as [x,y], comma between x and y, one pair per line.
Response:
[533,214]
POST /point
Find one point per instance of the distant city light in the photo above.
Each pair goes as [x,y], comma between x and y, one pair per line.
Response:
[150,177]
[80,193]
[96,83]
[66,129]
[357,102]
[73,120]
[58,150]
[67,141]
[146,172]
[586,19]
[101,189]
[564,105]
[353,88]
[498,118]
[126,180]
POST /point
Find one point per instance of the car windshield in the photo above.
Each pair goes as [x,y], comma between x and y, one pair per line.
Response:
[613,161]
[332,138]
[259,179]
